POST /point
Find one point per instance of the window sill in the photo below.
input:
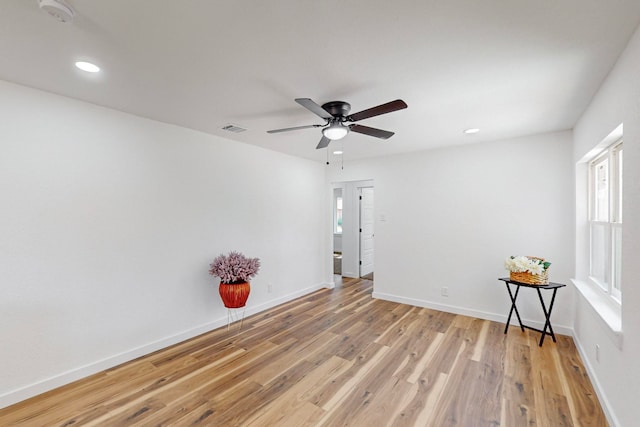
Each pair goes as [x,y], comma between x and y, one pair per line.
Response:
[608,311]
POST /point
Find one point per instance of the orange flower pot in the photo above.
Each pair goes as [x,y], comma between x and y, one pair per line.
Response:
[234,295]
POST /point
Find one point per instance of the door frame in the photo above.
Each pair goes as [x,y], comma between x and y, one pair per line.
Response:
[360,228]
[350,226]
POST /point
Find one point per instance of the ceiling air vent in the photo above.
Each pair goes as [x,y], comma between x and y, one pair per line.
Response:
[233,128]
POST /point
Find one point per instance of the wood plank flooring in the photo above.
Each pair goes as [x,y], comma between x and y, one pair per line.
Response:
[336,358]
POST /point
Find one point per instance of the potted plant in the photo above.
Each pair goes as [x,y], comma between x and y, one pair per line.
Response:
[234,271]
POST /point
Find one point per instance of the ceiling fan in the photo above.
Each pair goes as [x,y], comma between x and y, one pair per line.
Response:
[337,119]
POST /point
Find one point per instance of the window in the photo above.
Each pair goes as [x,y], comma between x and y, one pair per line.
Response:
[605,220]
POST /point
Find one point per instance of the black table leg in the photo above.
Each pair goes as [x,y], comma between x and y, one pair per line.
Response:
[547,315]
[548,329]
[513,308]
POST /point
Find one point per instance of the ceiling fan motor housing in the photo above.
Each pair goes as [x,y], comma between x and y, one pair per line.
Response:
[337,108]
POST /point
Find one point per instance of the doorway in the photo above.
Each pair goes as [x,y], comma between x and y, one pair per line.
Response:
[337,231]
[353,229]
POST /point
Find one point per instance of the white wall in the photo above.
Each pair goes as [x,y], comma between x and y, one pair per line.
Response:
[337,242]
[109,223]
[451,217]
[617,374]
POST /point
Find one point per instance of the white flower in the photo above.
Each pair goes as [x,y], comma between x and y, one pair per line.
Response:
[509,264]
[535,268]
[521,264]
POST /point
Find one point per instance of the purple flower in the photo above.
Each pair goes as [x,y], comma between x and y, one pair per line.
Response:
[234,267]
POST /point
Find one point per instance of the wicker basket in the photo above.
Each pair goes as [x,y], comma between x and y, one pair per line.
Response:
[531,279]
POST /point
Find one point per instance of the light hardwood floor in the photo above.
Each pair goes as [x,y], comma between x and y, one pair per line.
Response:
[333,358]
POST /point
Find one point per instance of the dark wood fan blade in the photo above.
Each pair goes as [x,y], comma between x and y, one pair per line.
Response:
[294,128]
[324,142]
[314,108]
[378,133]
[389,107]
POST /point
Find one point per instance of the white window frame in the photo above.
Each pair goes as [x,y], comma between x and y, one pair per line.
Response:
[609,225]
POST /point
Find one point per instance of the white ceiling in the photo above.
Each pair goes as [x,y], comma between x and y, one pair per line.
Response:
[509,67]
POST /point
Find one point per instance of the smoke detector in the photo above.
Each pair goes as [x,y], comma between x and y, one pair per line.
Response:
[57,9]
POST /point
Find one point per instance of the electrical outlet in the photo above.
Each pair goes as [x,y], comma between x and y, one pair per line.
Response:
[597,353]
[269,288]
[444,291]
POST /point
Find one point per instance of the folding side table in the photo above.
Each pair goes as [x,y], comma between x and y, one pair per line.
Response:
[547,330]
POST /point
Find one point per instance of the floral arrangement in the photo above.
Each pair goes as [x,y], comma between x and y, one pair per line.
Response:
[234,267]
[522,264]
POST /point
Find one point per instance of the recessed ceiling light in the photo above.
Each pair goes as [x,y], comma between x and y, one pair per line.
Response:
[87,66]
[471,131]
[337,152]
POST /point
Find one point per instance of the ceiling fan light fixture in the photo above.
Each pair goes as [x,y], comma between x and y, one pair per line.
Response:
[335,131]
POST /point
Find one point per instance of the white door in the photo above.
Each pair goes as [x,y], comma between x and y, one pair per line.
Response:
[366,231]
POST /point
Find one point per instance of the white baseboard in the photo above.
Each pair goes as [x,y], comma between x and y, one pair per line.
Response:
[564,330]
[67,377]
[604,402]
